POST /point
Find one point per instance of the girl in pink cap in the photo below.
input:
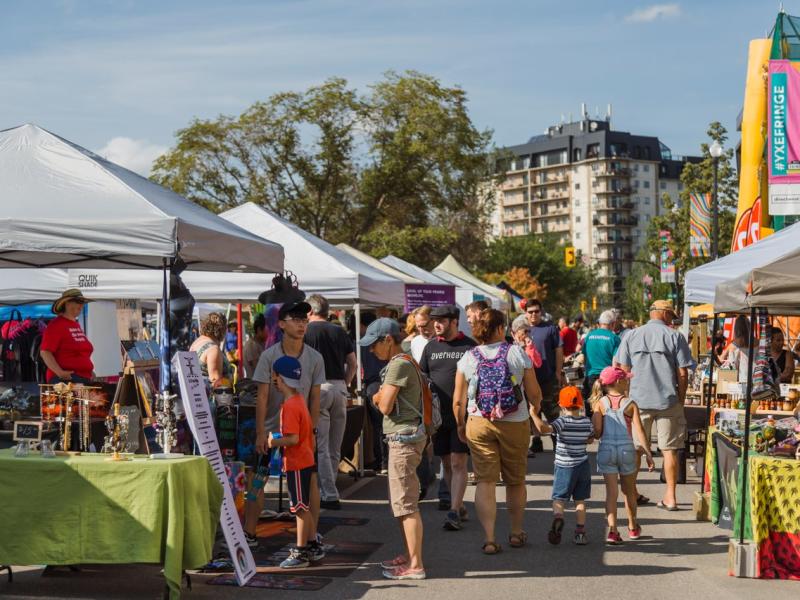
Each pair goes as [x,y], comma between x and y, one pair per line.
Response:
[614,416]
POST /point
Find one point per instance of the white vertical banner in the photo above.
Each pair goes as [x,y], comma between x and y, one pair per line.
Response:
[195,403]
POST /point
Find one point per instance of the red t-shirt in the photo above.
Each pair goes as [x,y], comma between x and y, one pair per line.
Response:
[70,347]
[569,340]
[295,419]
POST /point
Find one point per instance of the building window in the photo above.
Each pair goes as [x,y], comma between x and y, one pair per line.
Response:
[636,167]
[577,219]
[646,184]
[594,200]
[577,202]
[577,186]
[636,183]
[647,200]
[662,185]
[680,187]
[577,235]
[646,168]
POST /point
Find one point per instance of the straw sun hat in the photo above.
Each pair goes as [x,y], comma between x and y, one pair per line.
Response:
[71,294]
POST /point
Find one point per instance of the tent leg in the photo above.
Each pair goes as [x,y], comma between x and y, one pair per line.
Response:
[239,342]
[357,309]
[686,320]
[746,441]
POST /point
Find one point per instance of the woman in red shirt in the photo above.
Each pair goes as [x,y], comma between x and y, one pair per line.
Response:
[65,349]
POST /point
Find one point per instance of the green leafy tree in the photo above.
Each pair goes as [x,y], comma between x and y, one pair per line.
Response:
[698,178]
[543,256]
[422,246]
[348,167]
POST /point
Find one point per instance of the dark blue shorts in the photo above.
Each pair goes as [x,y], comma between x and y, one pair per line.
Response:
[572,483]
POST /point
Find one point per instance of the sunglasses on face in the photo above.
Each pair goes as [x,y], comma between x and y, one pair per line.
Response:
[534,311]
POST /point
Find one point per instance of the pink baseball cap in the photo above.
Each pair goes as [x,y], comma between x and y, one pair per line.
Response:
[611,375]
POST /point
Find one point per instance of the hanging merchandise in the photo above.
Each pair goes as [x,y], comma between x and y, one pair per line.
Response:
[700,224]
[764,388]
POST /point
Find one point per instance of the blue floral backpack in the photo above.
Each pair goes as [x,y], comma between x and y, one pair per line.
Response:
[496,394]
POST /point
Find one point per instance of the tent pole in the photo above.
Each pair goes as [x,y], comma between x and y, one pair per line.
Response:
[686,320]
[709,391]
[357,310]
[746,441]
[239,342]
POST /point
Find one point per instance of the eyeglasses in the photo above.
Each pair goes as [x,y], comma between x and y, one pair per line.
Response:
[303,320]
[534,311]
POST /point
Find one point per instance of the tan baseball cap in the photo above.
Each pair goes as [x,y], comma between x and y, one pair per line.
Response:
[665,305]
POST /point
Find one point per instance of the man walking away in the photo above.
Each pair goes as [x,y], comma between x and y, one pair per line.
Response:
[439,361]
[333,343]
[659,357]
[547,339]
[569,336]
[599,347]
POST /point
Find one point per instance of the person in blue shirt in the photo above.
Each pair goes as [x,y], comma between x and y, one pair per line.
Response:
[599,347]
[231,339]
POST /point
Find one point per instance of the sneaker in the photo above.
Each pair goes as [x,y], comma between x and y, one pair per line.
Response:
[452,522]
[444,504]
[330,504]
[554,535]
[398,561]
[536,445]
[635,533]
[298,559]
[316,551]
[613,538]
[252,540]
[580,538]
[404,573]
[463,514]
[325,547]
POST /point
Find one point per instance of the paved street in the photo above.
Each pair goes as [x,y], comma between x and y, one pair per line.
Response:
[677,557]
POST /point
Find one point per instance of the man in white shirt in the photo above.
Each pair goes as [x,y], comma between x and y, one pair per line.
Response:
[422,320]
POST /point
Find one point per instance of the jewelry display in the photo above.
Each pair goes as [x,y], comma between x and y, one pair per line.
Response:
[166,425]
[65,404]
[117,426]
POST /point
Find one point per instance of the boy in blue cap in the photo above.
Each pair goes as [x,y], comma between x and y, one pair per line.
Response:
[297,439]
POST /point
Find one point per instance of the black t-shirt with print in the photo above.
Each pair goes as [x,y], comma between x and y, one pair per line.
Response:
[438,362]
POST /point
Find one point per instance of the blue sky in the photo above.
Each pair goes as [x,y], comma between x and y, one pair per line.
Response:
[121,77]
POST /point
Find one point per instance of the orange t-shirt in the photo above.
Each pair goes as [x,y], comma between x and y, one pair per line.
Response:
[295,419]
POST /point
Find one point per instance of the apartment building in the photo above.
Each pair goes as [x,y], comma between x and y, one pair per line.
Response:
[590,185]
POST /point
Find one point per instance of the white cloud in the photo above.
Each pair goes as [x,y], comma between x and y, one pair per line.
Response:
[136,155]
[653,13]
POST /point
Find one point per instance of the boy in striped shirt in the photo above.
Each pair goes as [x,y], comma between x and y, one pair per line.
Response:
[572,479]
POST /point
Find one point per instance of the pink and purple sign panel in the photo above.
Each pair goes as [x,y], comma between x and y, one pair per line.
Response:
[784,122]
[428,293]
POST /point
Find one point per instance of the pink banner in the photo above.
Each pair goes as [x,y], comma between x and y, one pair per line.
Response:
[784,122]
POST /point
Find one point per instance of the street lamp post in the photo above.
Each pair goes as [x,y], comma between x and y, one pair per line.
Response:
[715,150]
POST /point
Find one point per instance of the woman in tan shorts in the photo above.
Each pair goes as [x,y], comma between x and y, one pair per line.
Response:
[492,416]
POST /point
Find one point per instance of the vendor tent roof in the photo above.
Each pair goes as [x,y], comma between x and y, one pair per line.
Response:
[374,262]
[453,267]
[413,270]
[701,282]
[63,205]
[319,266]
[774,286]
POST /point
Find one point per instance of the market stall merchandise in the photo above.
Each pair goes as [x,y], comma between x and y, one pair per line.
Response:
[150,511]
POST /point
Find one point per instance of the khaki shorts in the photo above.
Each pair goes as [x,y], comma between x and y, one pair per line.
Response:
[498,447]
[403,480]
[670,427]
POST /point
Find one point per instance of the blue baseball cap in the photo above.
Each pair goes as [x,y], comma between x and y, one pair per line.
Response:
[289,368]
[378,330]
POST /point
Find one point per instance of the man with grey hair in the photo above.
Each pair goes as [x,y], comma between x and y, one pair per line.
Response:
[333,343]
[659,358]
[598,350]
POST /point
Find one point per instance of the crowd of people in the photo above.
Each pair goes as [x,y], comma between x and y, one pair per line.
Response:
[478,404]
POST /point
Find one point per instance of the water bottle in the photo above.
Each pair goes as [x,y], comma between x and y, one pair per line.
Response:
[257,484]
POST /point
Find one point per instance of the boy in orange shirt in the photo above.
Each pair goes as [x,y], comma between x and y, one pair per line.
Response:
[296,438]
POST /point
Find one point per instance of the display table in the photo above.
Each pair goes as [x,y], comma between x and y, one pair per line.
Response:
[85,509]
[772,518]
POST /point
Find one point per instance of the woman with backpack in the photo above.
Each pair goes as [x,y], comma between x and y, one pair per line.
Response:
[400,400]
[492,413]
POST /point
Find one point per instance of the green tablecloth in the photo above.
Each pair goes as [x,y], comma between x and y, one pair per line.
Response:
[85,509]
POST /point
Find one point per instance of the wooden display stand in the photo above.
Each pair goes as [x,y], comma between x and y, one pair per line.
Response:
[137,386]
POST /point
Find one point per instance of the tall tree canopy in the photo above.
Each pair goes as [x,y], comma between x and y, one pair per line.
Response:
[369,169]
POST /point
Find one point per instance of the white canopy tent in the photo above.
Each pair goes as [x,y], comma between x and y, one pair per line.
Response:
[499,298]
[64,206]
[320,267]
[774,286]
[374,262]
[701,282]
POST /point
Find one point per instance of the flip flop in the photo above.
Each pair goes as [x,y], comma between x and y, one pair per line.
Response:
[669,507]
[641,500]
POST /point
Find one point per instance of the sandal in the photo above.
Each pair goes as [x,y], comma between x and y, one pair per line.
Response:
[670,507]
[641,500]
[554,535]
[517,540]
[491,548]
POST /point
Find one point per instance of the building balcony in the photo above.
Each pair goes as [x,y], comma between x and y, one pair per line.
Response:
[514,199]
[620,190]
[621,222]
[514,184]
[621,240]
[613,207]
[516,216]
[620,172]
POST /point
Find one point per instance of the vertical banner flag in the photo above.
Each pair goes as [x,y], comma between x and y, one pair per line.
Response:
[198,414]
[784,137]
[667,264]
[700,225]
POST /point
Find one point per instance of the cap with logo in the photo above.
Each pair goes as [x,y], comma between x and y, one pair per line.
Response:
[611,375]
[378,330]
[288,367]
[295,309]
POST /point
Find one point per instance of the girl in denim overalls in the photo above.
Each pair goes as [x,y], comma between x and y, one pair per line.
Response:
[614,416]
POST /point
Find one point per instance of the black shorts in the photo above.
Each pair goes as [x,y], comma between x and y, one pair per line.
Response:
[299,484]
[550,408]
[446,441]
